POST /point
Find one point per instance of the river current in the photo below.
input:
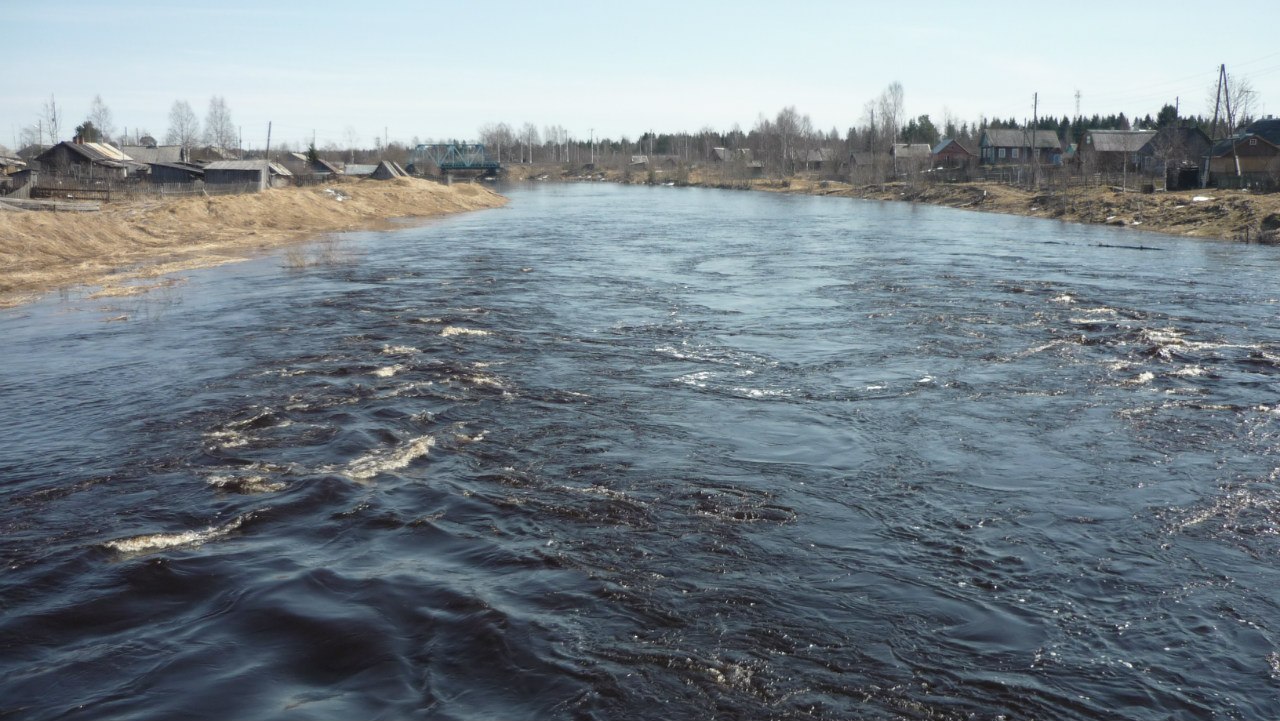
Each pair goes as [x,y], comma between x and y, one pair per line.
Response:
[654,453]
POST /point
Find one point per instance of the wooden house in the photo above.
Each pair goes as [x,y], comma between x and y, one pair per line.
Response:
[1112,151]
[1016,146]
[910,158]
[1176,152]
[951,153]
[1245,160]
[88,161]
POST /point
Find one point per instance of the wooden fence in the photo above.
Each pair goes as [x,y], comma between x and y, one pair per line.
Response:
[55,188]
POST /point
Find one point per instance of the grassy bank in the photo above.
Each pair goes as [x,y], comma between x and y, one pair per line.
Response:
[1218,214]
[126,242]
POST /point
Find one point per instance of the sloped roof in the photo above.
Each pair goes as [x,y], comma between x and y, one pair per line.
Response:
[154,153]
[1224,147]
[360,169]
[1118,141]
[950,142]
[389,169]
[1268,128]
[247,165]
[99,153]
[185,167]
[911,150]
[1016,138]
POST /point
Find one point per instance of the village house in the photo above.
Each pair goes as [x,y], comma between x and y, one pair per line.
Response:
[910,158]
[260,173]
[1246,160]
[1177,153]
[1112,151]
[950,153]
[820,159]
[1014,146]
[88,161]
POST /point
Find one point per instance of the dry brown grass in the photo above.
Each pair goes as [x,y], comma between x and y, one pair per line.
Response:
[40,251]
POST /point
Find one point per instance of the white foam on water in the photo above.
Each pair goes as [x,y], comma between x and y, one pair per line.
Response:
[453,330]
[253,483]
[159,541]
[698,379]
[388,459]
[1065,299]
[761,393]
[399,350]
[388,371]
[227,438]
[1142,378]
[1189,372]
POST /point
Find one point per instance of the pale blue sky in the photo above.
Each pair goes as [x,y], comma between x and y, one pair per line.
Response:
[442,69]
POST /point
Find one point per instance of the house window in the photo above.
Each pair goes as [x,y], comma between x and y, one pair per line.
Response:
[1253,141]
[1013,153]
[1000,152]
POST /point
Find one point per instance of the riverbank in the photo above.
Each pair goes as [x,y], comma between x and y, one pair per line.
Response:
[126,243]
[1213,214]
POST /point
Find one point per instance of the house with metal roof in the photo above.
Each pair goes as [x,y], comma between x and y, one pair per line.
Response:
[1003,146]
[88,161]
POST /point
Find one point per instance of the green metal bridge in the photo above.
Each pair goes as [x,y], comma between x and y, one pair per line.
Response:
[450,157]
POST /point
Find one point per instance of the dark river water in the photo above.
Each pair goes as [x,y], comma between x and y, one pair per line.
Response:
[654,453]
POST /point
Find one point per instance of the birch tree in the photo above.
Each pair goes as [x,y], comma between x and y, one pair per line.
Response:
[219,131]
[184,127]
[100,116]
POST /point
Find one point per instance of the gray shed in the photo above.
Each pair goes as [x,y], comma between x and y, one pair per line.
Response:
[243,172]
[387,170]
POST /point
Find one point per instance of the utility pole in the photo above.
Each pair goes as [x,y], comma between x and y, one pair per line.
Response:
[1035,149]
[268,153]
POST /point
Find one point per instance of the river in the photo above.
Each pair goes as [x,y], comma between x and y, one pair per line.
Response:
[654,453]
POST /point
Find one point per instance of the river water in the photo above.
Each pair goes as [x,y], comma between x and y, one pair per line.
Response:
[654,453]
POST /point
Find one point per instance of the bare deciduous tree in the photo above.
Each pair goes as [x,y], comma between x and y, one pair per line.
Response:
[51,119]
[529,136]
[219,131]
[100,116]
[891,106]
[184,127]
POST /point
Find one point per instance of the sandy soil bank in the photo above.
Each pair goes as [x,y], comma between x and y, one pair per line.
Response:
[125,242]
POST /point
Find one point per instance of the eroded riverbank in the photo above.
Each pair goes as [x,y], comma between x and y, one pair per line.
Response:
[129,242]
